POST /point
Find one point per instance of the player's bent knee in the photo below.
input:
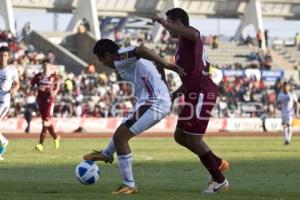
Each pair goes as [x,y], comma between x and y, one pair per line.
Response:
[122,134]
[179,137]
[46,123]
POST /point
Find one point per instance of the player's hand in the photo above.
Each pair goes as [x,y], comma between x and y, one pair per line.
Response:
[180,71]
[160,20]
[12,92]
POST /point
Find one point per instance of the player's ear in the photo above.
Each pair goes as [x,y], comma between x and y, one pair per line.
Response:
[108,56]
[177,22]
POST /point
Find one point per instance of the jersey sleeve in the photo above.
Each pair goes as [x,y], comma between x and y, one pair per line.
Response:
[279,98]
[125,57]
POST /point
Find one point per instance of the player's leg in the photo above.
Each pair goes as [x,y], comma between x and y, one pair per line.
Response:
[285,131]
[48,124]
[121,138]
[189,122]
[110,149]
[180,138]
[192,124]
[3,141]
[28,117]
[195,144]
[43,134]
[290,128]
[146,116]
[106,155]
[3,146]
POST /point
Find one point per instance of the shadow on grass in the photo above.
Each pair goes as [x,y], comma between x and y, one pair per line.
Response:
[250,179]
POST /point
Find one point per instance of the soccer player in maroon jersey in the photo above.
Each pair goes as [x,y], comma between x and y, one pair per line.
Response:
[200,95]
[47,86]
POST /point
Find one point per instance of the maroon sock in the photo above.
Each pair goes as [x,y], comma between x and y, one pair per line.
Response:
[217,159]
[52,132]
[43,134]
[209,162]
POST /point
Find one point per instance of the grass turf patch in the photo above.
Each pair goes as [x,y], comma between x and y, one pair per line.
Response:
[261,168]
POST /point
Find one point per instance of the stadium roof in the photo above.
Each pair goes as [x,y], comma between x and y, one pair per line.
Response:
[144,8]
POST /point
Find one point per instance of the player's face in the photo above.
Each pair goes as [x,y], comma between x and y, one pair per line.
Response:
[172,33]
[4,57]
[286,88]
[46,68]
[107,60]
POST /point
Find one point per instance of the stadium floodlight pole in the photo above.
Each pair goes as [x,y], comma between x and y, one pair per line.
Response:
[252,15]
[86,9]
[6,10]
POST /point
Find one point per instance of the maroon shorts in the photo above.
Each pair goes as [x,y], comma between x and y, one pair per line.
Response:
[195,114]
[46,109]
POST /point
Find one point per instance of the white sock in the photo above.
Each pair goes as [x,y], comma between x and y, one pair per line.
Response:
[125,165]
[110,148]
[290,131]
[286,133]
[3,140]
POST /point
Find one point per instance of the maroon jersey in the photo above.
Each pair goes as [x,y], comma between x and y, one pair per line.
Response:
[46,85]
[191,57]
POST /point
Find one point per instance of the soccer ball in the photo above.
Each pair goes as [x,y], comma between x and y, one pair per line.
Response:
[87,172]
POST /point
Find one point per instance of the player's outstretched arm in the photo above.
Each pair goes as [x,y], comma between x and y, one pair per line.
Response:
[57,88]
[184,31]
[148,54]
[15,87]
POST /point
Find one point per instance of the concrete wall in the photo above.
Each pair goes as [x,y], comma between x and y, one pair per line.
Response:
[81,45]
[62,55]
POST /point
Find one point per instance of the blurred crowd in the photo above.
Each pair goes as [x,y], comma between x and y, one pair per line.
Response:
[246,97]
[93,94]
[99,95]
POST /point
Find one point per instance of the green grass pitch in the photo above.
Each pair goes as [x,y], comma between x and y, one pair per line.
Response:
[262,168]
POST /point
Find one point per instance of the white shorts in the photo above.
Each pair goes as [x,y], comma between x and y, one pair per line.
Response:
[146,114]
[287,119]
[4,107]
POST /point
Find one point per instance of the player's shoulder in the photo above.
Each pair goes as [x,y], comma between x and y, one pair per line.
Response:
[125,49]
[280,95]
[11,68]
[196,31]
[125,53]
[38,75]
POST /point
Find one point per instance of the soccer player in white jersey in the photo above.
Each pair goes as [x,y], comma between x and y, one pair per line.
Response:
[153,102]
[288,102]
[9,85]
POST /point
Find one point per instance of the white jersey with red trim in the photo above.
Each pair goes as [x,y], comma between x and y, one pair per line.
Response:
[8,75]
[147,81]
[287,104]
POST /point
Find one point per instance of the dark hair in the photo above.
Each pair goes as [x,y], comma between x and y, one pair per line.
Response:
[178,13]
[285,83]
[105,45]
[4,49]
[46,60]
